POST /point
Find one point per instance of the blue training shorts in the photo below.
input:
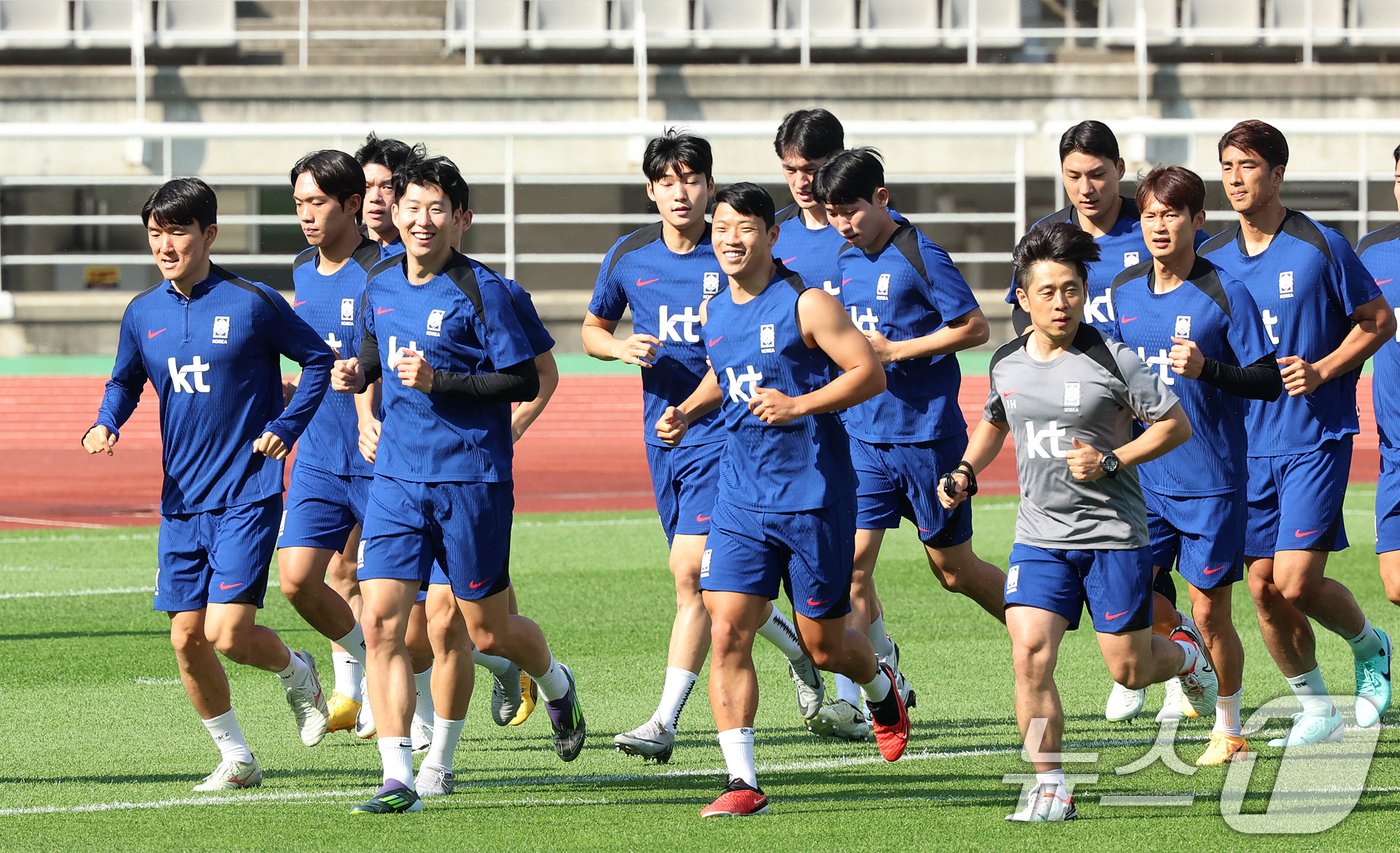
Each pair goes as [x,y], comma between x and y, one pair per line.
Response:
[902,480]
[1388,502]
[1116,585]
[1295,502]
[322,508]
[1203,535]
[465,527]
[755,552]
[685,481]
[216,557]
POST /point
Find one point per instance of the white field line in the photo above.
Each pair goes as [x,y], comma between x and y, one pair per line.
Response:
[76,593]
[42,540]
[48,522]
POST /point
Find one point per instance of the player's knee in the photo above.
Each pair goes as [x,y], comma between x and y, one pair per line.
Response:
[725,637]
[1130,673]
[1298,589]
[447,635]
[488,642]
[1033,659]
[187,639]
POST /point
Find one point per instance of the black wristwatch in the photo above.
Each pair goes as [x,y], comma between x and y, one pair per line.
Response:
[1110,464]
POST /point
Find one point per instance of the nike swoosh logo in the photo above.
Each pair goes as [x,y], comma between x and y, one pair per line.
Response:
[703,518]
[299,303]
[923,529]
[1111,616]
[1126,319]
[787,261]
[641,283]
[812,602]
[382,310]
[476,584]
[151,334]
[714,341]
[1217,570]
[1009,393]
[225,587]
[1382,282]
[1303,534]
[846,281]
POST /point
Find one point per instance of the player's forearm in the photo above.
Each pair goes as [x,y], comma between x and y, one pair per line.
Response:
[969,333]
[1159,439]
[369,360]
[984,445]
[315,380]
[704,399]
[367,404]
[852,387]
[1365,338]
[600,343]
[526,413]
[514,384]
[118,402]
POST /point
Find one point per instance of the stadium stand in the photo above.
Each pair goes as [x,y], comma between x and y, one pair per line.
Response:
[667,23]
[1119,20]
[994,23]
[1367,16]
[899,23]
[831,23]
[109,23]
[1287,22]
[568,23]
[33,24]
[1212,23]
[733,24]
[196,23]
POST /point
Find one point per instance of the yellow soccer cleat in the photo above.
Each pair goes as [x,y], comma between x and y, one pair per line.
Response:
[343,711]
[1223,748]
[528,693]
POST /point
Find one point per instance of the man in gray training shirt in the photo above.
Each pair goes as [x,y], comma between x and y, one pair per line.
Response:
[1071,397]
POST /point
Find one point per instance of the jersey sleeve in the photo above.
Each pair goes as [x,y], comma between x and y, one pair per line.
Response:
[1352,285]
[296,339]
[1143,393]
[609,299]
[507,342]
[995,409]
[369,341]
[1248,338]
[947,289]
[541,341]
[128,379]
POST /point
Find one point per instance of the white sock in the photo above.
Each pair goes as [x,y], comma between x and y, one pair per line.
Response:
[553,684]
[1054,777]
[348,673]
[1191,653]
[878,689]
[679,683]
[1367,644]
[446,734]
[1227,714]
[228,737]
[296,672]
[494,664]
[884,647]
[847,690]
[781,633]
[397,755]
[424,711]
[1312,693]
[737,746]
[354,643]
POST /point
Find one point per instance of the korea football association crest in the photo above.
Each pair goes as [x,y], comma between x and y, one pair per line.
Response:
[767,338]
[347,312]
[882,287]
[1183,326]
[221,324]
[435,322]
[1130,259]
[1285,284]
[711,283]
[1071,396]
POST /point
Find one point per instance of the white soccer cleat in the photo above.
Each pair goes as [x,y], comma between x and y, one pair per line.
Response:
[308,704]
[1123,703]
[840,719]
[434,781]
[811,690]
[232,776]
[1200,686]
[420,731]
[1045,805]
[1174,704]
[364,721]
[651,740]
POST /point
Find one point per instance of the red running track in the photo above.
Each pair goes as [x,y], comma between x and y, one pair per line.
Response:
[584,453]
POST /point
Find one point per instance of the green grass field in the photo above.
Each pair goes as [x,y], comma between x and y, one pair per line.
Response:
[100,747]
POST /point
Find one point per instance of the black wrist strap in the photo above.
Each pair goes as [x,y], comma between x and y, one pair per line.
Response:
[965,468]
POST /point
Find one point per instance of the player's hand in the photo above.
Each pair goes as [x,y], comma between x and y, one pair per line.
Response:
[1085,463]
[671,426]
[414,370]
[637,349]
[1186,358]
[99,439]
[774,407]
[885,349]
[1299,376]
[269,444]
[369,439]
[346,375]
[958,480]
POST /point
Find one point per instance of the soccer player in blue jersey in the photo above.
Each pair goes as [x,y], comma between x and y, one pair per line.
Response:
[1072,397]
[904,294]
[211,344]
[380,158]
[785,510]
[1325,315]
[326,495]
[807,243]
[661,273]
[1200,330]
[445,334]
[1380,252]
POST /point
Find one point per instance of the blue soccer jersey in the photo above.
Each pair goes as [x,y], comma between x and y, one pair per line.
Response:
[1380,253]
[464,321]
[215,362]
[802,465]
[1306,283]
[1218,314]
[908,289]
[391,249]
[810,252]
[664,291]
[328,303]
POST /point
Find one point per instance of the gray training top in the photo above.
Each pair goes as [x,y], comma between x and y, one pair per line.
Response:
[1093,391]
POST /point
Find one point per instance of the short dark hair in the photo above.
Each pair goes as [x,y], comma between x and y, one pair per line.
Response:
[675,149]
[389,153]
[336,173]
[1090,137]
[182,201]
[436,172]
[1175,186]
[1397,154]
[749,199]
[811,134]
[1257,137]
[850,175]
[1062,242]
